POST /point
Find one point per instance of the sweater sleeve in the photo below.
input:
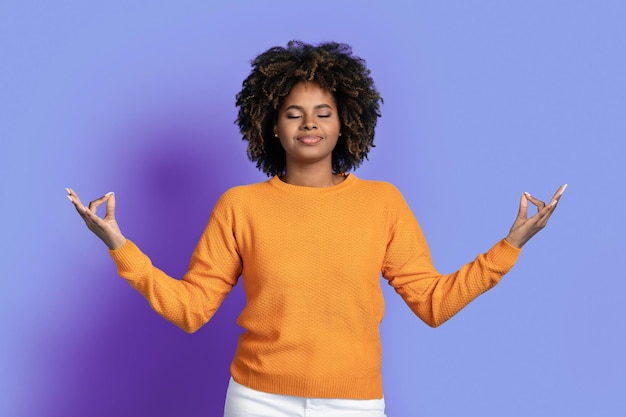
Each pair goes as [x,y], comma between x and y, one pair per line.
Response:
[432,296]
[213,271]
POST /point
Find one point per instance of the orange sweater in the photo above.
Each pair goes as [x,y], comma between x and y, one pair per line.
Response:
[311,259]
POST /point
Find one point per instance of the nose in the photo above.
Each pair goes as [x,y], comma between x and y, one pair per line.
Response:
[308,123]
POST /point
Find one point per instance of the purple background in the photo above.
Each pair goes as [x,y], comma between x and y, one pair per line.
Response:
[483,100]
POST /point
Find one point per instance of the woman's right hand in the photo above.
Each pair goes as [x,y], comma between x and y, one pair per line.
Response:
[105,228]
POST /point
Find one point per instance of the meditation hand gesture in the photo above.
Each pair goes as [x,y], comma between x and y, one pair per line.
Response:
[524,228]
[105,228]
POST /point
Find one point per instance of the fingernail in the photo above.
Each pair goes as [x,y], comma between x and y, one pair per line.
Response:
[527,194]
[68,190]
[69,197]
[564,187]
[109,193]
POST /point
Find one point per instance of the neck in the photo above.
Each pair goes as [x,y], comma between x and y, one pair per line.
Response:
[312,176]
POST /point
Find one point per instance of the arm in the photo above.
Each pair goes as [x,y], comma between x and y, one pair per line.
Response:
[188,303]
[435,297]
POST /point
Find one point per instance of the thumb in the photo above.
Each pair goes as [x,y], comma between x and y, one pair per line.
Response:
[523,206]
[110,210]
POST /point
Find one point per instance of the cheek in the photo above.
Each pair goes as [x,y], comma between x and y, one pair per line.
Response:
[283,128]
[284,143]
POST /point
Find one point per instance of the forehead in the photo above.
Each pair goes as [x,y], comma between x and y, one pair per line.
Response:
[309,92]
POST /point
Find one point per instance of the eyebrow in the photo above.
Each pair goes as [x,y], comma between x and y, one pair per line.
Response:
[319,106]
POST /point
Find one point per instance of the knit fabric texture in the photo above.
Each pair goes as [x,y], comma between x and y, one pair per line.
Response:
[310,261]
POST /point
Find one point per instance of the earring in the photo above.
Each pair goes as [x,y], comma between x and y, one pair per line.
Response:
[275,135]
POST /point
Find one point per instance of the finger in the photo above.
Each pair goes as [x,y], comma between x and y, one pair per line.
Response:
[540,219]
[554,201]
[540,204]
[558,194]
[542,216]
[97,202]
[73,197]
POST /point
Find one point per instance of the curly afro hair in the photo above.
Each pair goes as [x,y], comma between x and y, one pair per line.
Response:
[335,69]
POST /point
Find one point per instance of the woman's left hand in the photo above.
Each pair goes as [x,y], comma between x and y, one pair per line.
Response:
[524,228]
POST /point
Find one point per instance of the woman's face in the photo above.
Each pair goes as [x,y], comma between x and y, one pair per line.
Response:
[308,125]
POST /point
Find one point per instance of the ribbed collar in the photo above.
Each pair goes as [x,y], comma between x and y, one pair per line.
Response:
[350,180]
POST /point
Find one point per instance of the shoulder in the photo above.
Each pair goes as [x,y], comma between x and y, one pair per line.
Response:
[245,190]
[381,188]
[238,202]
[388,198]
[243,193]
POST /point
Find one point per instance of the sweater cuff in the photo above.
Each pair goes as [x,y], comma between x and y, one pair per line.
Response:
[503,255]
[128,258]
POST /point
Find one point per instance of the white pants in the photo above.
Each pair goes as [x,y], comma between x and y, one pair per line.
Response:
[242,401]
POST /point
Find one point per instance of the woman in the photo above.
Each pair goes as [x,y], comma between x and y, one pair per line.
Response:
[310,244]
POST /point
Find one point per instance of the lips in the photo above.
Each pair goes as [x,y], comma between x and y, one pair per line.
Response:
[310,139]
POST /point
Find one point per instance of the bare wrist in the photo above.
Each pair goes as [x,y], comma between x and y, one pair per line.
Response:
[116,243]
[514,242]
